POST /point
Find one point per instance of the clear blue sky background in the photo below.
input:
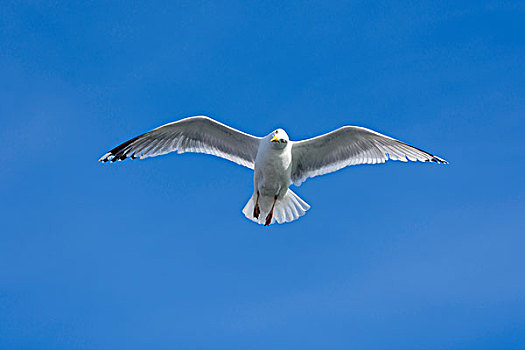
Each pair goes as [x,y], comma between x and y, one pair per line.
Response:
[156,254]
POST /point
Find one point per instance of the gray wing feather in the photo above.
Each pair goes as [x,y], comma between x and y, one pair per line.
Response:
[195,134]
[349,145]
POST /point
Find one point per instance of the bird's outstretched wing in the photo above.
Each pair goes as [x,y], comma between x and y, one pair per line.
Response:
[195,134]
[349,145]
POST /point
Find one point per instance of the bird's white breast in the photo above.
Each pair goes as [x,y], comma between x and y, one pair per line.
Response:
[273,170]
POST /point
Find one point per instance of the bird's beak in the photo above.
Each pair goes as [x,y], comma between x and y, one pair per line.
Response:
[274,139]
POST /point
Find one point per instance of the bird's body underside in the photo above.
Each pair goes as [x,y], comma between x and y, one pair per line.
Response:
[277,162]
[272,199]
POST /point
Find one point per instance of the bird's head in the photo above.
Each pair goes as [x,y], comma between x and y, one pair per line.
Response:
[278,138]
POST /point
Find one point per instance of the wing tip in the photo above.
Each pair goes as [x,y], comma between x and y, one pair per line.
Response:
[112,158]
[106,157]
[438,160]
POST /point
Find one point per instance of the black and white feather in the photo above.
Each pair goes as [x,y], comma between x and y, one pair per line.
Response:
[195,134]
[349,145]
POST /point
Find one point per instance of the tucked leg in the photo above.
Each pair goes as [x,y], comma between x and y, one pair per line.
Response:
[256,209]
[270,214]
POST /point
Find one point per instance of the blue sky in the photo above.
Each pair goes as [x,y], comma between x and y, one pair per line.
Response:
[157,254]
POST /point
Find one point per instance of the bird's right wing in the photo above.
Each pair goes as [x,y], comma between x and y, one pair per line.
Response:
[194,134]
[349,145]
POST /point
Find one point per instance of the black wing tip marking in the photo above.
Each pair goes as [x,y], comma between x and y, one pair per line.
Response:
[437,160]
[110,157]
[433,158]
[113,157]
[119,152]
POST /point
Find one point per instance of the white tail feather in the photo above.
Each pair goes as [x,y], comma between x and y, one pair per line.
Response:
[291,207]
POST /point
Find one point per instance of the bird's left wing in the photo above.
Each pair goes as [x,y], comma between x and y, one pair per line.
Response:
[349,145]
[194,134]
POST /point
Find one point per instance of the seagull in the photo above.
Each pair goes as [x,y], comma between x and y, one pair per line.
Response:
[277,161]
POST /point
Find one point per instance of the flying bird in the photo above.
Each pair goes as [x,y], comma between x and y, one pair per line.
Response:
[277,161]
